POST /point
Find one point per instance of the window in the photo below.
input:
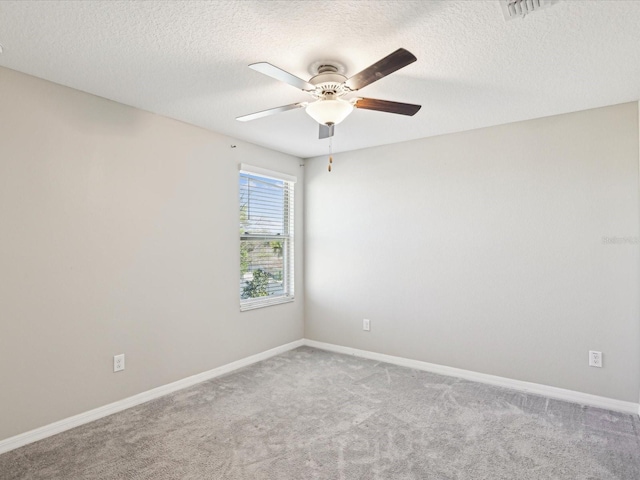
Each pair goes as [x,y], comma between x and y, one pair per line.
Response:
[266,237]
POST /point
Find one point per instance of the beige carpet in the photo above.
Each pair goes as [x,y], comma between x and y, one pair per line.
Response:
[309,414]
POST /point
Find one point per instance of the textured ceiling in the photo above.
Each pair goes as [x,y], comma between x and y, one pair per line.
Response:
[188,60]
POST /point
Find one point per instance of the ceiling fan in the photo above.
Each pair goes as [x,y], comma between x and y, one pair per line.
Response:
[328,87]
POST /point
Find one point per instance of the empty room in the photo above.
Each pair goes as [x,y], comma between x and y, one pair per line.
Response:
[251,239]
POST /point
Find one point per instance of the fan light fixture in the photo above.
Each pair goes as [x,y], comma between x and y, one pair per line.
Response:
[329,85]
[329,111]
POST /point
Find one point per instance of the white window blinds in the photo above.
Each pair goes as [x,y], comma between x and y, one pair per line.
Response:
[266,237]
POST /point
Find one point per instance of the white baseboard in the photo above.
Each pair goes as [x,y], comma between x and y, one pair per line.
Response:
[100,412]
[22,439]
[536,388]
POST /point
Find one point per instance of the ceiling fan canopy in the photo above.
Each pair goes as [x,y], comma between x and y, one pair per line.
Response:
[329,86]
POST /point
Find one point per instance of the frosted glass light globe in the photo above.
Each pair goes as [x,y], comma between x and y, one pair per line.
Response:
[329,111]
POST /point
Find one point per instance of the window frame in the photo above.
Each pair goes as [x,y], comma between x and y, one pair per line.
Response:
[288,238]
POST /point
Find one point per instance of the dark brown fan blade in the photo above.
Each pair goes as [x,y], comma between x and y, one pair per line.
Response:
[389,64]
[279,74]
[271,111]
[387,106]
[326,131]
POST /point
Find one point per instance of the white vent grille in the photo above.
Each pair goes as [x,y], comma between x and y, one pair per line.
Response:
[520,8]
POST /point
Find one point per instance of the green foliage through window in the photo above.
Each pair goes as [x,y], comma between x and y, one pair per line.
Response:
[257,286]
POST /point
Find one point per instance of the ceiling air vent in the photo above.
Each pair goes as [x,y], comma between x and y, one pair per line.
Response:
[519,8]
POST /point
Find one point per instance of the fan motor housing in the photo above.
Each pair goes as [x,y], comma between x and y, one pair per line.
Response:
[329,82]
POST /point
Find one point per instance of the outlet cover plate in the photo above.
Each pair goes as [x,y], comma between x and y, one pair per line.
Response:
[595,359]
[366,325]
[118,362]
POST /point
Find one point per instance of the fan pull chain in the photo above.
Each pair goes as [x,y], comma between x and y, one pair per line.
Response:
[330,153]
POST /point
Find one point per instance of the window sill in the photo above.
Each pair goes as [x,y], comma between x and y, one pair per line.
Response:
[260,303]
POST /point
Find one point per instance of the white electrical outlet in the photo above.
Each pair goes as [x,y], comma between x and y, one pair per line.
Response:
[366,325]
[595,359]
[118,362]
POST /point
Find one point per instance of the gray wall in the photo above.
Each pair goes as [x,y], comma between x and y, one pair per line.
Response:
[118,235]
[480,250]
[484,250]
